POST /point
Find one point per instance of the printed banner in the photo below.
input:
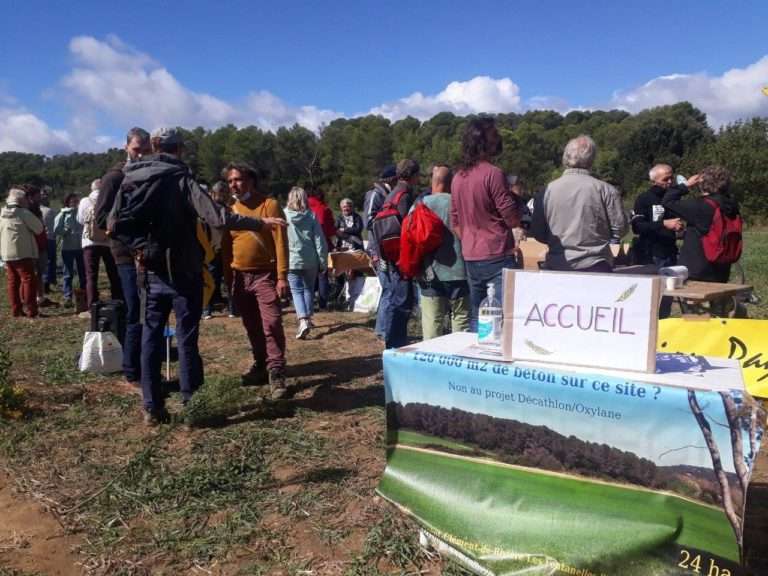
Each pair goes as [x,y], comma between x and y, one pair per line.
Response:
[742,340]
[553,471]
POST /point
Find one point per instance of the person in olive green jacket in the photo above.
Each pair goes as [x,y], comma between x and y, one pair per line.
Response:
[18,250]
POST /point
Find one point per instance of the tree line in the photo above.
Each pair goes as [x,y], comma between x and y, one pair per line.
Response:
[343,158]
[524,444]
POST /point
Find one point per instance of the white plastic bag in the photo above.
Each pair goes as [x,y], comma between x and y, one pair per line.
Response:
[367,297]
[102,353]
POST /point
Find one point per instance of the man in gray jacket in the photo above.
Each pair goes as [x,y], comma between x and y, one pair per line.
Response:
[578,215]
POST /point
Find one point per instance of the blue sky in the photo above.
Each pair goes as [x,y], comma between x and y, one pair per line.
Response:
[69,72]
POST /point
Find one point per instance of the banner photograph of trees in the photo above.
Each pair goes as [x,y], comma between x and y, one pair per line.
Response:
[527,483]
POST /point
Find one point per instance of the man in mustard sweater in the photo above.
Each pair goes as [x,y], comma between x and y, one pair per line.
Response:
[260,267]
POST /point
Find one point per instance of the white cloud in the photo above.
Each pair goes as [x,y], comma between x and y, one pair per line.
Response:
[112,84]
[22,131]
[480,94]
[131,88]
[734,95]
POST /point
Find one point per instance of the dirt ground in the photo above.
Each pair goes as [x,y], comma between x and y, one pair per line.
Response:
[283,489]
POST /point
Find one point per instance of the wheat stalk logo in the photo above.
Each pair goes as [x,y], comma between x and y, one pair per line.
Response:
[538,349]
[627,293]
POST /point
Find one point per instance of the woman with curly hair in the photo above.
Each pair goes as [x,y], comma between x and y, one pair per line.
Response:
[714,183]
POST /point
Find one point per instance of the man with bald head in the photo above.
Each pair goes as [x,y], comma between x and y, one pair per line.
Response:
[443,284]
[578,215]
[656,228]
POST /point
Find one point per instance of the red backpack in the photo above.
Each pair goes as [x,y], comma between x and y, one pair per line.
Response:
[422,235]
[386,228]
[723,243]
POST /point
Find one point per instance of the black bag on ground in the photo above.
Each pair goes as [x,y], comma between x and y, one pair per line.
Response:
[109,316]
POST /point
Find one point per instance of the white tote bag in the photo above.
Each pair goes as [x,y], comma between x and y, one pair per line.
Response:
[102,353]
[367,292]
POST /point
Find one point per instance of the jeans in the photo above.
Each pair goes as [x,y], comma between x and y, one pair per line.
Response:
[92,255]
[132,344]
[323,290]
[383,303]
[187,305]
[22,286]
[665,307]
[398,308]
[255,295]
[50,272]
[479,274]
[216,270]
[42,266]
[302,284]
[72,259]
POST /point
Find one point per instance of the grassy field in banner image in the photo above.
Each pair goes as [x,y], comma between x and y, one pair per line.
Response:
[498,512]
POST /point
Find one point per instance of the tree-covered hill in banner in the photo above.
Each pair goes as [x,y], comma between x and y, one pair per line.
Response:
[513,442]
[346,154]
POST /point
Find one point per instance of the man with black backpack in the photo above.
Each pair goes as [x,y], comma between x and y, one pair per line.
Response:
[155,214]
[398,292]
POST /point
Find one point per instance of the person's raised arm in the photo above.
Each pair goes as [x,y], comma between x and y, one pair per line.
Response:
[217,216]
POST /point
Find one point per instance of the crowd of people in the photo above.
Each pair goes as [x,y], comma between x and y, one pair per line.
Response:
[146,217]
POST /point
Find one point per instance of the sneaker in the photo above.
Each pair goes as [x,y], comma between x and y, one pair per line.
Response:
[303,330]
[277,388]
[207,316]
[154,418]
[45,302]
[256,376]
[68,303]
[85,315]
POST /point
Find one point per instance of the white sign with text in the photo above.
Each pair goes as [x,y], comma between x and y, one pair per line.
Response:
[602,320]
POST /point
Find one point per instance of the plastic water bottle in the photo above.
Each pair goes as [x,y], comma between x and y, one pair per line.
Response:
[489,319]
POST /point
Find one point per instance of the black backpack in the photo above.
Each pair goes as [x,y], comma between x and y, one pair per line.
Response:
[109,316]
[143,216]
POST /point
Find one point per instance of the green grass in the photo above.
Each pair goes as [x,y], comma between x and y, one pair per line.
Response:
[420,440]
[596,526]
[755,264]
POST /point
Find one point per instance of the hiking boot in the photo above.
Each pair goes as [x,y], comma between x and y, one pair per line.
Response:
[277,388]
[154,418]
[303,330]
[256,376]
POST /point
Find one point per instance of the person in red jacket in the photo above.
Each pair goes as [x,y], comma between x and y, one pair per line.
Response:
[324,217]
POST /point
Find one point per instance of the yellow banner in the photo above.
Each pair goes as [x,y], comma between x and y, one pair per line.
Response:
[742,340]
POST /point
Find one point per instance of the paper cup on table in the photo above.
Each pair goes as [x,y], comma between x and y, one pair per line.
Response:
[671,282]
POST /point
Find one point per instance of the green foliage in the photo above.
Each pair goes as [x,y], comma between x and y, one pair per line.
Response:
[345,156]
[11,397]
